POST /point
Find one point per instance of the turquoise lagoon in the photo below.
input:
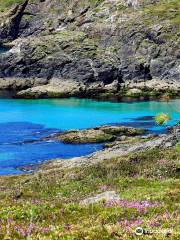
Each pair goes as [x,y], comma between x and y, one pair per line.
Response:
[23,123]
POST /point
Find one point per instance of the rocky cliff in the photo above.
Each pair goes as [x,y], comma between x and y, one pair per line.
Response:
[95,48]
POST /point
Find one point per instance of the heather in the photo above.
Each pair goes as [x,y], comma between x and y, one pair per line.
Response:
[46,204]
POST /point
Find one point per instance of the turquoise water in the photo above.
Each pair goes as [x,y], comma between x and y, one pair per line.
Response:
[24,122]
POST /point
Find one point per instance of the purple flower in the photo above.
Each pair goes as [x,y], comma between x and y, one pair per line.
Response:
[104,188]
[66,227]
[9,220]
[166,216]
[127,224]
[138,205]
[62,210]
[153,223]
[36,202]
[22,232]
[44,229]
[29,229]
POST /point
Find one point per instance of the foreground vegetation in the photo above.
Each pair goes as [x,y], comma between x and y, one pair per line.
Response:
[46,204]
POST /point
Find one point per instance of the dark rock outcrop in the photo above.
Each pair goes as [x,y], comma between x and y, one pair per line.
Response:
[98,135]
[100,49]
[9,22]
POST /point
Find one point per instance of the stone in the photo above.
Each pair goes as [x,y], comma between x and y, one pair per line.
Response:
[134,91]
[98,135]
[105,196]
[86,136]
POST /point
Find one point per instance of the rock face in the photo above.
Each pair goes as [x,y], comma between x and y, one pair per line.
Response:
[98,134]
[92,48]
[9,22]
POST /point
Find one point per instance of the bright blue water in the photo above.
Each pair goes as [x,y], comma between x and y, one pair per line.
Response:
[23,121]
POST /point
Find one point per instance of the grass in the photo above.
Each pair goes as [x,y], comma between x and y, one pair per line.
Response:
[45,205]
[6,4]
[165,10]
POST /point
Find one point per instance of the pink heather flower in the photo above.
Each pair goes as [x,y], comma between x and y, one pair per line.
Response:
[44,229]
[153,223]
[138,222]
[62,210]
[138,205]
[158,216]
[22,232]
[66,227]
[104,188]
[29,229]
[36,202]
[16,228]
[166,216]
[127,225]
[9,220]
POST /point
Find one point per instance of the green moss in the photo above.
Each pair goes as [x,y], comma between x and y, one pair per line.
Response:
[85,136]
[6,4]
[163,11]
[57,95]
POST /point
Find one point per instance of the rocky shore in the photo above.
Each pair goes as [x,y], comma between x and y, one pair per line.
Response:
[98,135]
[118,147]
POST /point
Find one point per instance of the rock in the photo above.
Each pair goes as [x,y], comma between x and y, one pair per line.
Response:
[121,130]
[97,135]
[86,136]
[18,84]
[105,196]
[154,85]
[9,23]
[134,91]
[121,149]
[55,88]
[107,48]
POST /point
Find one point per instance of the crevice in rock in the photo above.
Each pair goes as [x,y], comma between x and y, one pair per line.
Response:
[10,22]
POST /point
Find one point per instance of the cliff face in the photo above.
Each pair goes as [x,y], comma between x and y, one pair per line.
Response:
[91,47]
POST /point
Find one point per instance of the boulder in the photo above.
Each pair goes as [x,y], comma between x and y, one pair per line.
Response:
[98,135]
[105,196]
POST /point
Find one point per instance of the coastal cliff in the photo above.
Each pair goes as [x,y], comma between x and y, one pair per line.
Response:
[104,49]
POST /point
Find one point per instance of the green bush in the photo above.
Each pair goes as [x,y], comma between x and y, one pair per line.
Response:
[178,146]
[162,118]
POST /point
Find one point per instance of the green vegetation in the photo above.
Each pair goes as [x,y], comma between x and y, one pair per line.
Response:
[45,205]
[6,4]
[164,10]
[178,146]
[162,118]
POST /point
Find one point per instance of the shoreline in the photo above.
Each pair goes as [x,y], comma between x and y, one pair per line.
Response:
[8,94]
[130,145]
